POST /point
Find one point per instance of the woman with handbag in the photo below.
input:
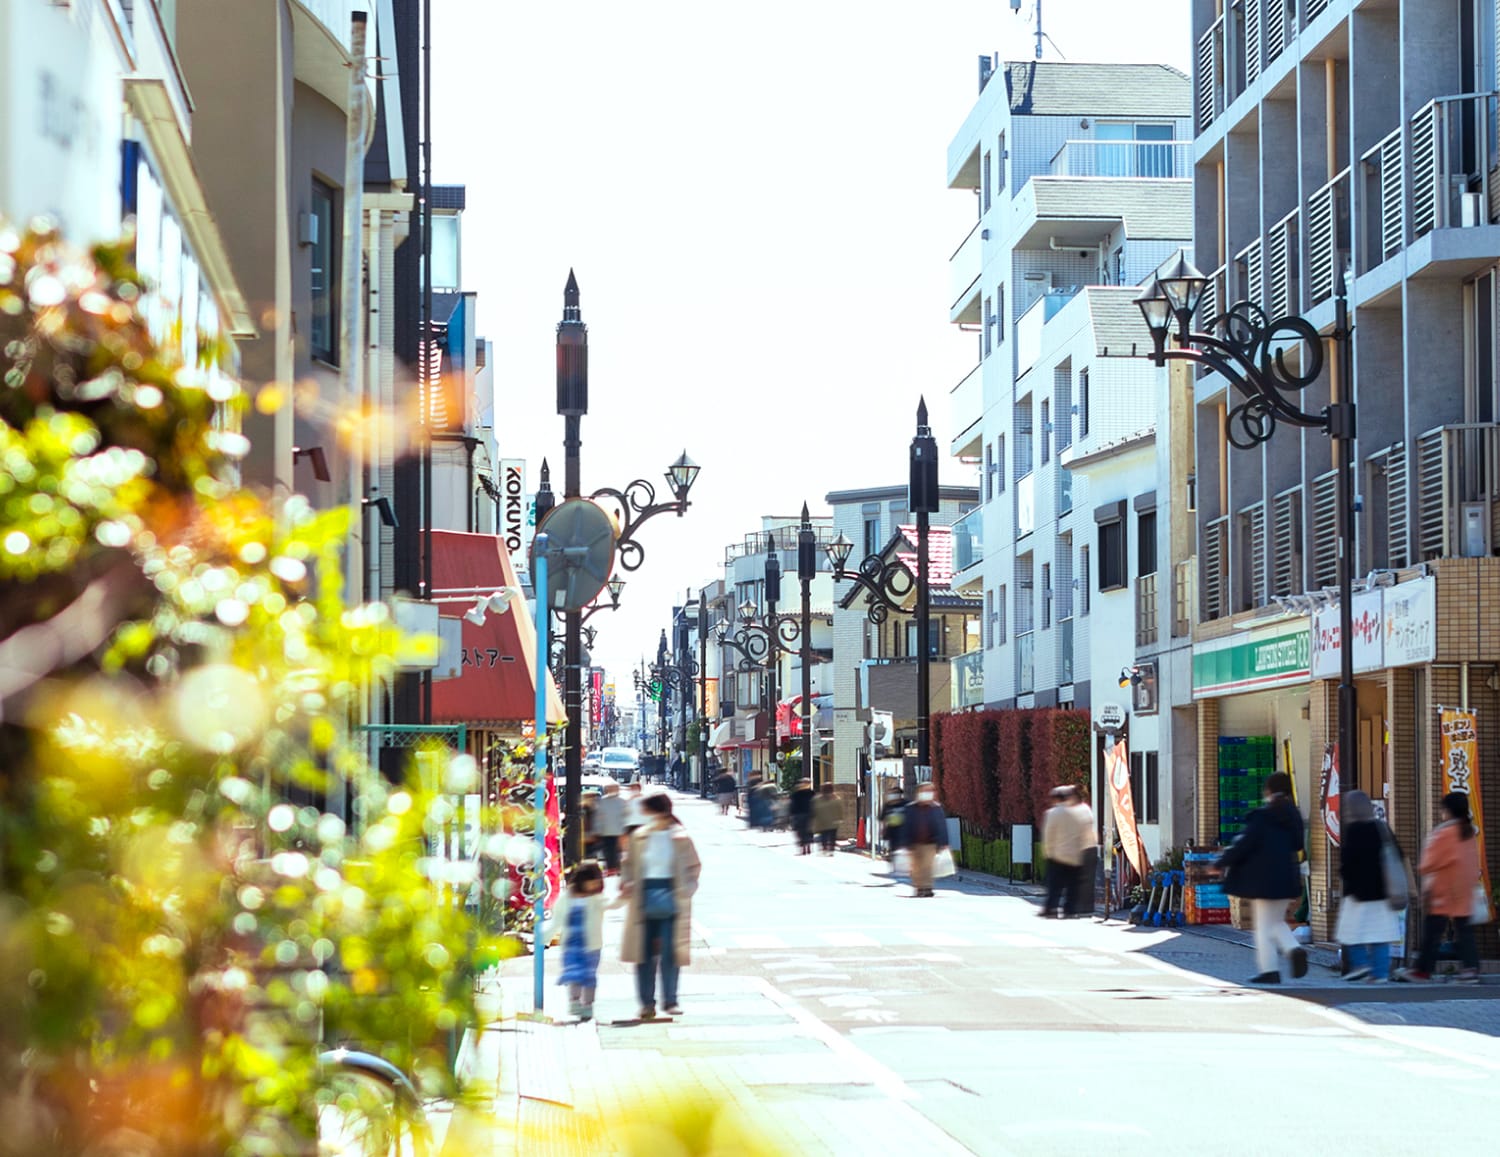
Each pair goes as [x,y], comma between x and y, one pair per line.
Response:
[657,884]
[1450,881]
[1367,923]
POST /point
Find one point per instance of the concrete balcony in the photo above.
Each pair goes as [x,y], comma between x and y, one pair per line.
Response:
[968,552]
[964,268]
[966,412]
[1030,324]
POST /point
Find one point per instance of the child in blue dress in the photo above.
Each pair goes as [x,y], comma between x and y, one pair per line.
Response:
[578,920]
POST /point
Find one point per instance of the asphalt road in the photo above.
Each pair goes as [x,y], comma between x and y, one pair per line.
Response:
[1016,1035]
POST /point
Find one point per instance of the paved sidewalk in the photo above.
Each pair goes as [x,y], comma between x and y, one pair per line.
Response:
[745,1065]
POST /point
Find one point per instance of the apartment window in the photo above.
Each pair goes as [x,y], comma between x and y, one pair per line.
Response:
[1046,595]
[1062,555]
[1022,424]
[1062,385]
[1000,165]
[1000,464]
[1114,574]
[934,638]
[1085,589]
[1135,150]
[872,536]
[1046,431]
[989,325]
[1083,404]
[1025,604]
[989,474]
[1145,542]
[989,619]
[322,325]
[1483,384]
[999,315]
[984,181]
[1000,617]
[1145,786]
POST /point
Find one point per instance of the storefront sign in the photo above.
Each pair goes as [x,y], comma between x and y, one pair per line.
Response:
[1122,802]
[1274,656]
[1328,793]
[1369,637]
[1410,623]
[515,518]
[1461,770]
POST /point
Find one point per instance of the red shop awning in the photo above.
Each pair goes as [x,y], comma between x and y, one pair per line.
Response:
[497,686]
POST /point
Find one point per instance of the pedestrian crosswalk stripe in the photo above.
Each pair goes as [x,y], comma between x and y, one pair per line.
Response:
[939,939]
[849,940]
[1023,940]
[759,940]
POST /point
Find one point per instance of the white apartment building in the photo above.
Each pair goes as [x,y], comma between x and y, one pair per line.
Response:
[1080,174]
[1334,135]
[96,133]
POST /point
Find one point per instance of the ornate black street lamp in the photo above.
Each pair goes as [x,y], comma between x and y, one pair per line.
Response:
[670,677]
[1250,350]
[889,585]
[633,507]
[807,570]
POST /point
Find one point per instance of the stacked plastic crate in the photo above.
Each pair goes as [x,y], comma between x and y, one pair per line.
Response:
[1204,900]
[1245,762]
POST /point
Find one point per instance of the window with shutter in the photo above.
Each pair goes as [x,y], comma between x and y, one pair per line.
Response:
[1213,569]
[1286,542]
[1250,550]
[1325,530]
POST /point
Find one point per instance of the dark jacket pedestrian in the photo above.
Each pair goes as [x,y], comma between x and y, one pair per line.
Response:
[1367,924]
[924,832]
[892,812]
[799,810]
[1262,866]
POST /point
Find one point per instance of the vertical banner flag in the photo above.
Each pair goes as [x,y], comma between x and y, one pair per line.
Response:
[1122,800]
[1329,792]
[554,843]
[515,517]
[1461,770]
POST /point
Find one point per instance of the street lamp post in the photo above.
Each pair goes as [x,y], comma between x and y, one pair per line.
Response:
[703,693]
[922,500]
[1251,355]
[671,676]
[807,570]
[634,505]
[773,656]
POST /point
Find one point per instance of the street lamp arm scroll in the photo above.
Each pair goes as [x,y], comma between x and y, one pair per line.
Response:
[887,585]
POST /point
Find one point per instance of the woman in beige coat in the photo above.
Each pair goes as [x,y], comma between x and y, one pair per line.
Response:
[657,884]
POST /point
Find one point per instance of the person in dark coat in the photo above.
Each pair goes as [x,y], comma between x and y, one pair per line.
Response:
[1367,924]
[799,810]
[924,831]
[1262,867]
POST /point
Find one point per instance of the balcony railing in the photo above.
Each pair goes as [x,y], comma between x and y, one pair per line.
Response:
[1064,639]
[1104,158]
[1182,598]
[1382,202]
[1146,633]
[966,402]
[1025,489]
[1025,663]
[1249,279]
[1457,487]
[968,540]
[786,540]
[1452,162]
[1327,236]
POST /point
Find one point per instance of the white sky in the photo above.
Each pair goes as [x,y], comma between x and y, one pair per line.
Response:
[754,199]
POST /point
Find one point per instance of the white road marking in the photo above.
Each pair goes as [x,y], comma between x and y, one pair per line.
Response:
[850,1000]
[849,940]
[939,939]
[758,940]
[1022,940]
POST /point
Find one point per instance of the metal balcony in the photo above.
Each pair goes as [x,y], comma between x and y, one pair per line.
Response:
[1106,158]
[1457,485]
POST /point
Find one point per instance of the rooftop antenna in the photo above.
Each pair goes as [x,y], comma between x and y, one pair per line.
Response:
[1015,6]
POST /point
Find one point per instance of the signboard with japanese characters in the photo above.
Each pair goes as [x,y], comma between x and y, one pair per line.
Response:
[1369,637]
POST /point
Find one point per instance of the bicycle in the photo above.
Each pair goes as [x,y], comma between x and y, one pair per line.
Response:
[367,1107]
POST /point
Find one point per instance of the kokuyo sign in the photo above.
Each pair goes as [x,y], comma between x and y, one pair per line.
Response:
[514,526]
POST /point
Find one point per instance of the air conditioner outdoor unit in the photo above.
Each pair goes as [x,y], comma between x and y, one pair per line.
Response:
[1473,518]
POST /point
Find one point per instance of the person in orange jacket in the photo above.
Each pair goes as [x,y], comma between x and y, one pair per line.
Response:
[1450,873]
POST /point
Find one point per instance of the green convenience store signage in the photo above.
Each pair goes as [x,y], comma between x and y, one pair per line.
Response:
[1253,660]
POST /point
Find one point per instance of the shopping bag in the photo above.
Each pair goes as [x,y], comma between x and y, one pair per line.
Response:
[901,862]
[942,864]
[1482,914]
[1393,871]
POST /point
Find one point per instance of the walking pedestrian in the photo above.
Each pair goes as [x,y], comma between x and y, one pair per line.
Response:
[1067,834]
[1450,877]
[609,826]
[1367,923]
[578,920]
[827,814]
[727,791]
[1261,866]
[658,882]
[924,831]
[892,811]
[634,815]
[800,810]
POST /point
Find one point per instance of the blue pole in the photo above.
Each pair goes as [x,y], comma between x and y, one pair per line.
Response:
[544,612]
